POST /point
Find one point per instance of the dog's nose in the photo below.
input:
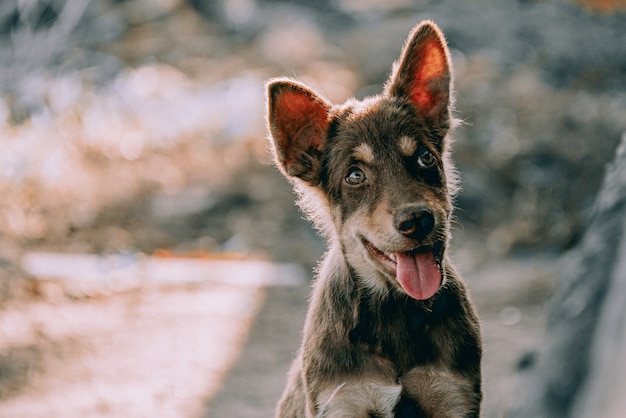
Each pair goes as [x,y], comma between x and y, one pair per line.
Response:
[415,222]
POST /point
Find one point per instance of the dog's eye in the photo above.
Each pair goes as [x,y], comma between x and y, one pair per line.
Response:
[355,176]
[425,158]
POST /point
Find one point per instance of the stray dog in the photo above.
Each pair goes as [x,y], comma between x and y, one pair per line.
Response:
[390,330]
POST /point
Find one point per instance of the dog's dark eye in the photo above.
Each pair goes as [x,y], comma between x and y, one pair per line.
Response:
[425,158]
[355,176]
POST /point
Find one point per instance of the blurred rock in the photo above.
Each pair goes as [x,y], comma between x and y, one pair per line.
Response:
[183,203]
[293,42]
[522,152]
[580,369]
[240,17]
[137,12]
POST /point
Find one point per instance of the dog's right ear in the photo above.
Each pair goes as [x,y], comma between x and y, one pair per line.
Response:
[424,74]
[298,122]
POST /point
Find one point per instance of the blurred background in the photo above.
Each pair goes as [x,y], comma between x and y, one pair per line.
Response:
[133,131]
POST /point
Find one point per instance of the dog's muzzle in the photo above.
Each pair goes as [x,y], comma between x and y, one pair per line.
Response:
[417,271]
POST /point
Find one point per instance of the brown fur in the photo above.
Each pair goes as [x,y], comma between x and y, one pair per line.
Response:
[376,178]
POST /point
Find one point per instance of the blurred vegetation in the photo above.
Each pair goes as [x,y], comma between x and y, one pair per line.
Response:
[132,125]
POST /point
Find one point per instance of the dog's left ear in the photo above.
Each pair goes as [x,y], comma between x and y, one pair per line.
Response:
[298,121]
[423,74]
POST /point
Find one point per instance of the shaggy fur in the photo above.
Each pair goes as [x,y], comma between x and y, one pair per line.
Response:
[390,330]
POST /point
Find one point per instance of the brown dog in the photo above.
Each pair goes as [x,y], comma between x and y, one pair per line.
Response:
[390,330]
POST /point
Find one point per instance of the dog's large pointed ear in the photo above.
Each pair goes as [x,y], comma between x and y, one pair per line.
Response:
[298,122]
[423,74]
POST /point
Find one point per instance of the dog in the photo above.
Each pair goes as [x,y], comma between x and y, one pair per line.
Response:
[390,330]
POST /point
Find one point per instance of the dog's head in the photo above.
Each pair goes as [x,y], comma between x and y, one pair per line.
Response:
[378,169]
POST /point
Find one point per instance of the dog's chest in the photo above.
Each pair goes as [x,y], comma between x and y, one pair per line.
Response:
[400,330]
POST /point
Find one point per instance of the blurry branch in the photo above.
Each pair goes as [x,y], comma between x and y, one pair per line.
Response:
[30,47]
[32,44]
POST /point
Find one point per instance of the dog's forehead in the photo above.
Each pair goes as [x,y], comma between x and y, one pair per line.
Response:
[379,131]
[407,145]
[364,151]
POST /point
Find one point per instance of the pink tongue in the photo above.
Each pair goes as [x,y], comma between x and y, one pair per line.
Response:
[418,275]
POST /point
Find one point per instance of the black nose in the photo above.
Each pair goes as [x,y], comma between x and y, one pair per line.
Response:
[415,222]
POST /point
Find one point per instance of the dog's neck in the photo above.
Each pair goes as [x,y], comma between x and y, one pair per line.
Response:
[368,316]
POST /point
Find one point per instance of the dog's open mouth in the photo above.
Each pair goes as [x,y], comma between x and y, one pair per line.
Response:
[418,271]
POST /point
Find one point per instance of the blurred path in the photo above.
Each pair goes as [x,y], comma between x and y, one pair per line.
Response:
[151,353]
[256,382]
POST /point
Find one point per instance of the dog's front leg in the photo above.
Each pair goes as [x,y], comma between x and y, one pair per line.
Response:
[359,400]
[442,393]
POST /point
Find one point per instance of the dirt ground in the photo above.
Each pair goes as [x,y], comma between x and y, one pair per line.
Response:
[136,128]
